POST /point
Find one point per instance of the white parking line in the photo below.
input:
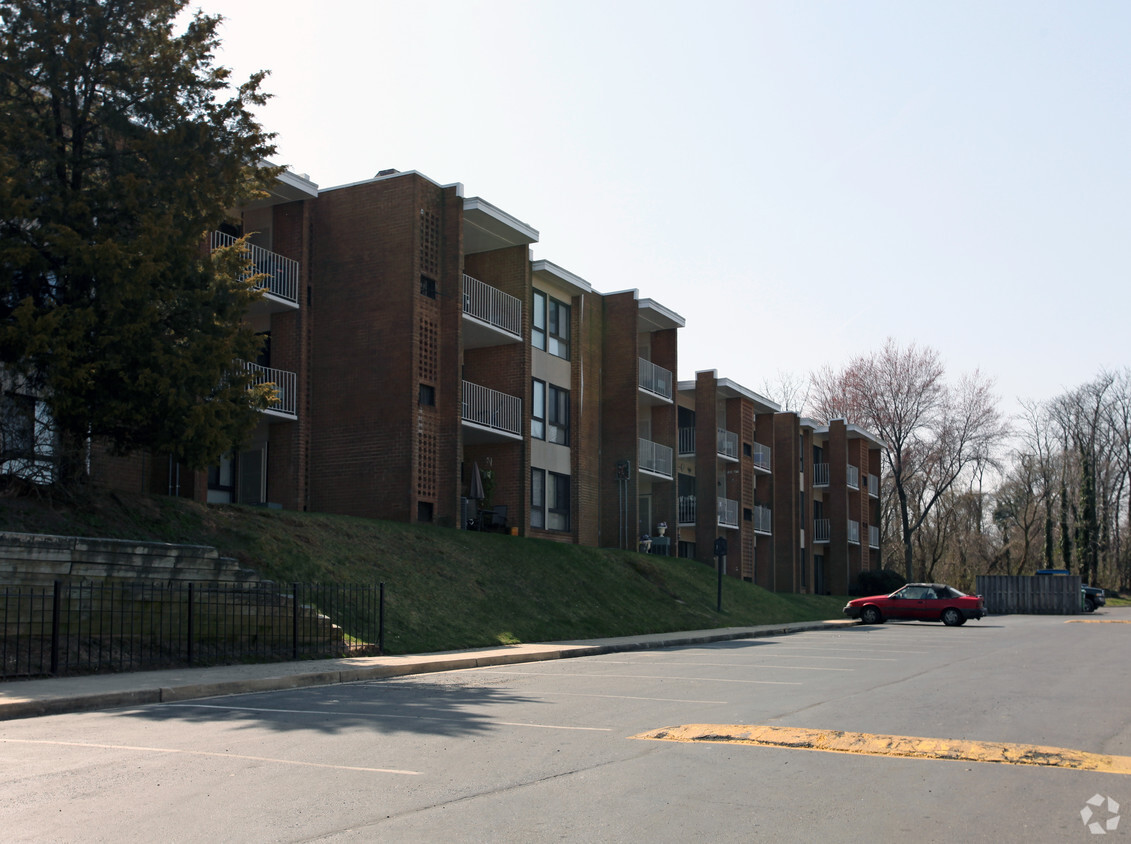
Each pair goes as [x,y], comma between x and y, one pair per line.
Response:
[173,750]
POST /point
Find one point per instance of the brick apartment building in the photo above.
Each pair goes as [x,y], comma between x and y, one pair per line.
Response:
[430,370]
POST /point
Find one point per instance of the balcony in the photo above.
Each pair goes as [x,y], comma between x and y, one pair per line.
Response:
[687,510]
[726,445]
[490,416]
[763,520]
[853,532]
[873,536]
[853,477]
[686,442]
[278,275]
[654,459]
[761,458]
[874,486]
[490,316]
[285,383]
[655,383]
[727,512]
[822,531]
[820,474]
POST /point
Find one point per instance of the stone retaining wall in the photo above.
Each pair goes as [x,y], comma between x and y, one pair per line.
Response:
[40,559]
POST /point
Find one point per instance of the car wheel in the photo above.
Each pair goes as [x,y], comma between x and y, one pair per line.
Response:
[871,615]
[952,617]
[1089,605]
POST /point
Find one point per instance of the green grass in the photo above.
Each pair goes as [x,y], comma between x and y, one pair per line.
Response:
[445,589]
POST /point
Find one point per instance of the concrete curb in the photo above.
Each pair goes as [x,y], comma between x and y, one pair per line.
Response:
[60,696]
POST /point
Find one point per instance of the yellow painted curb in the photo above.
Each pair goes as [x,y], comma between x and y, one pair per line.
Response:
[837,741]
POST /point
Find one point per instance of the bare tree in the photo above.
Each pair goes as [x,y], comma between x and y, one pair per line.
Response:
[788,390]
[935,435]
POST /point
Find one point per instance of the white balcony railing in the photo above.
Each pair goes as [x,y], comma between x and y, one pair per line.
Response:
[853,477]
[873,536]
[285,384]
[762,457]
[280,274]
[853,532]
[687,509]
[654,458]
[492,409]
[655,379]
[686,441]
[820,474]
[727,444]
[763,519]
[492,305]
[821,530]
[727,512]
[874,486]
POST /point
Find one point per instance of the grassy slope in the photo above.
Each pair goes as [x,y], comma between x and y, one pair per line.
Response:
[446,589]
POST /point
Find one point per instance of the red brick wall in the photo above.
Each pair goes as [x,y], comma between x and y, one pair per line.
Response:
[620,377]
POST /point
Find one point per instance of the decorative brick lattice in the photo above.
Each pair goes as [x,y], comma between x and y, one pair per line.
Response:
[426,463]
[429,244]
[428,349]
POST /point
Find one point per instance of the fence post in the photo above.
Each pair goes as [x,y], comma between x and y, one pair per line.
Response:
[190,631]
[381,622]
[56,609]
[294,621]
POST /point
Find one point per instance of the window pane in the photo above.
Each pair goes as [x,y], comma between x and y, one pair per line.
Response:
[538,410]
[537,498]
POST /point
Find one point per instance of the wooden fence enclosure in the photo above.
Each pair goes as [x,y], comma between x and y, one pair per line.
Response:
[1033,594]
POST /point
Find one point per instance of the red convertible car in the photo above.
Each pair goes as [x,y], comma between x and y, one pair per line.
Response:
[918,602]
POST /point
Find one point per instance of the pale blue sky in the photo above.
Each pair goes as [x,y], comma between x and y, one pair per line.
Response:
[813,176]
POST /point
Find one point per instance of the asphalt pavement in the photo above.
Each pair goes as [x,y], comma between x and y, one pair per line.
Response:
[58,695]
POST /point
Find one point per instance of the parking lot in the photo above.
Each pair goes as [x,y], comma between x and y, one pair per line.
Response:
[554,750]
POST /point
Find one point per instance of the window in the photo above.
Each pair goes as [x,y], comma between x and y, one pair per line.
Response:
[557,505]
[558,430]
[17,433]
[549,500]
[428,287]
[538,498]
[424,511]
[550,330]
[427,395]
[538,331]
[549,413]
[559,329]
[538,411]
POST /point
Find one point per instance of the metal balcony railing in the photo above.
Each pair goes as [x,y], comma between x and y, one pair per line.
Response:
[762,457]
[492,305]
[654,458]
[820,474]
[655,379]
[873,536]
[687,509]
[285,384]
[686,441]
[822,531]
[492,409]
[763,519]
[853,532]
[280,274]
[727,444]
[727,512]
[853,477]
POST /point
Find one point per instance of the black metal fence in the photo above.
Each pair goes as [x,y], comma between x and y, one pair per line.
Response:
[83,628]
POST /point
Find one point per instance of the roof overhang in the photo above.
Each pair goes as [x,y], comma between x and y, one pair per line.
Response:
[554,274]
[486,228]
[652,316]
[727,389]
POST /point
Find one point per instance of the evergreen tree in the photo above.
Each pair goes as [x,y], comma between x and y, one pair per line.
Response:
[121,145]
